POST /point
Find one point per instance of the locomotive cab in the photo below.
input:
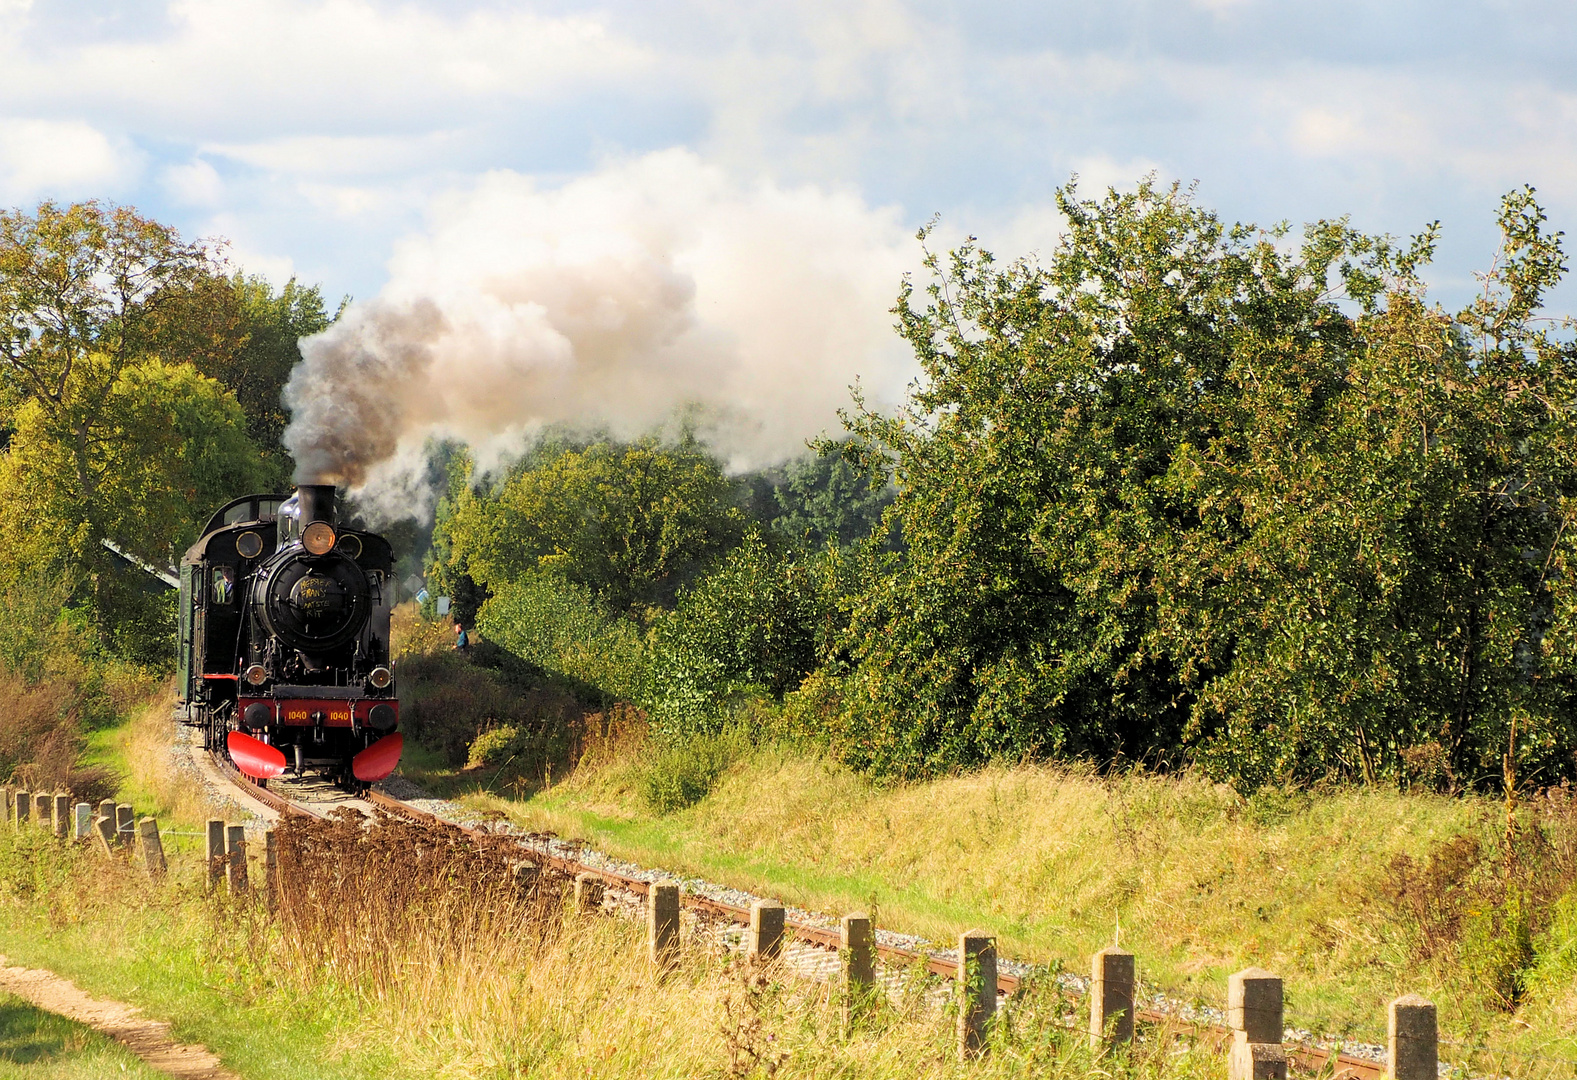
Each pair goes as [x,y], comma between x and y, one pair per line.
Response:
[285,639]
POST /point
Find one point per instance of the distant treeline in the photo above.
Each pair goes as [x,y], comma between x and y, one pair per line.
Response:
[1183,492]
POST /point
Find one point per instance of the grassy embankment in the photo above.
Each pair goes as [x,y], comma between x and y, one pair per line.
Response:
[408,996]
[1353,895]
[393,970]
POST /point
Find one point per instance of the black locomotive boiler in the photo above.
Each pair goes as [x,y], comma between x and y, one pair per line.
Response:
[284,640]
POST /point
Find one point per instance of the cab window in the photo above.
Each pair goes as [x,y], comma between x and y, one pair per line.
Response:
[222,590]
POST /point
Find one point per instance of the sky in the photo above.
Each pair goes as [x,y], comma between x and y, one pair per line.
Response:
[341,140]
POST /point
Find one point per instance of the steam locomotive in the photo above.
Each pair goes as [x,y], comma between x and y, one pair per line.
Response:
[284,640]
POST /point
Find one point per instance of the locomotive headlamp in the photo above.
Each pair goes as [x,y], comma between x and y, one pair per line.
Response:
[318,538]
[380,677]
[256,674]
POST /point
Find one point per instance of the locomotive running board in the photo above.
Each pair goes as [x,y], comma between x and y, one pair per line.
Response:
[378,760]
[254,757]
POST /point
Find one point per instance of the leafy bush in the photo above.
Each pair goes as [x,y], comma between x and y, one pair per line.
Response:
[497,746]
[562,628]
[681,772]
[748,628]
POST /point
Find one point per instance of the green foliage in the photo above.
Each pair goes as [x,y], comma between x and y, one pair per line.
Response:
[630,523]
[822,498]
[1164,493]
[497,746]
[560,627]
[141,460]
[681,772]
[107,320]
[239,331]
[749,627]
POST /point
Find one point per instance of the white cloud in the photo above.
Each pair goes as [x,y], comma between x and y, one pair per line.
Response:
[340,156]
[318,63]
[196,183]
[60,159]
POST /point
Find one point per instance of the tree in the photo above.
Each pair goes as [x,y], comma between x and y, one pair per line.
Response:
[631,522]
[238,330]
[164,447]
[79,282]
[820,498]
[1167,494]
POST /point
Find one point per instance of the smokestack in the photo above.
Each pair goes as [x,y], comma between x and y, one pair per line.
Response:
[317,503]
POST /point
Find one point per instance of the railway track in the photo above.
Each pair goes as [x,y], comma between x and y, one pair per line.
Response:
[318,799]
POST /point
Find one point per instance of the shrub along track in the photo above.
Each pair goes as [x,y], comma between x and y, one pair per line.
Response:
[299,797]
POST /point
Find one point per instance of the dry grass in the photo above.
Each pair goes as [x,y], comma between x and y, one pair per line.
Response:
[1202,881]
[473,976]
[142,749]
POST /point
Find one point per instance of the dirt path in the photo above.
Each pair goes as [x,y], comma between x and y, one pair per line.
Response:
[148,1039]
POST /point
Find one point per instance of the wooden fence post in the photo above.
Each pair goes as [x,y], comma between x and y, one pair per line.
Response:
[859,966]
[1111,998]
[152,847]
[218,855]
[977,985]
[662,924]
[1414,1038]
[766,930]
[1254,1013]
[235,865]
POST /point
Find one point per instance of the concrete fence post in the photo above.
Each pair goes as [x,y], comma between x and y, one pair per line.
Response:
[524,875]
[858,952]
[104,830]
[271,868]
[43,809]
[977,984]
[107,809]
[24,808]
[5,804]
[588,892]
[1414,1038]
[152,846]
[126,824]
[1254,1013]
[216,852]
[235,865]
[766,930]
[62,814]
[1111,998]
[81,821]
[662,924]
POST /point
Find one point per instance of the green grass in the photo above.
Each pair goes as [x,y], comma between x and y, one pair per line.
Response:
[164,948]
[38,1045]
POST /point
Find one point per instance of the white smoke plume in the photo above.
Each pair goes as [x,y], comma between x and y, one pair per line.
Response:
[610,302]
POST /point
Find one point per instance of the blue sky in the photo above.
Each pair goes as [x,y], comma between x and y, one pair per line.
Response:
[734,186]
[314,134]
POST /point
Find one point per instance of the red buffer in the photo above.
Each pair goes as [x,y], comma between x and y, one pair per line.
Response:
[254,756]
[378,760]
